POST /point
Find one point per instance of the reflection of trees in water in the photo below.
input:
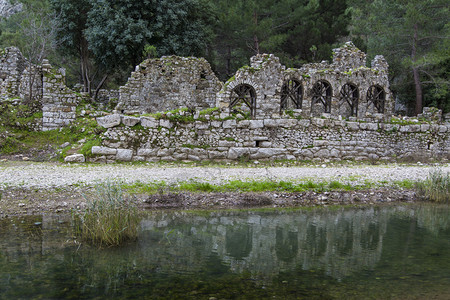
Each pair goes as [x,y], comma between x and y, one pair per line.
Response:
[338,242]
[286,245]
[434,218]
[238,241]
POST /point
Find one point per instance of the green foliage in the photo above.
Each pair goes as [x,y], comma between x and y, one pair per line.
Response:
[150,51]
[11,28]
[117,30]
[436,187]
[419,41]
[18,136]
[109,219]
[296,31]
[208,111]
[19,116]
[244,186]
[87,147]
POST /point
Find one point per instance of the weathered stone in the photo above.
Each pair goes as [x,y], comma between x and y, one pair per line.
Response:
[168,83]
[334,153]
[256,124]
[130,121]
[103,150]
[372,126]
[124,154]
[217,154]
[76,158]
[243,123]
[267,153]
[147,152]
[322,153]
[149,122]
[353,126]
[229,124]
[227,144]
[109,121]
[138,158]
[320,143]
[165,123]
[270,123]
[235,153]
[265,145]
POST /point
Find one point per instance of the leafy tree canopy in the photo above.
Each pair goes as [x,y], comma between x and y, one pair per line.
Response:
[414,37]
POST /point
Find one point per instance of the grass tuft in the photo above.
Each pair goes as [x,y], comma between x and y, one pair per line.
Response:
[436,187]
[109,219]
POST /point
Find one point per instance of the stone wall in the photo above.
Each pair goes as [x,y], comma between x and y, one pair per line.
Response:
[59,103]
[211,138]
[346,79]
[12,66]
[167,83]
[48,88]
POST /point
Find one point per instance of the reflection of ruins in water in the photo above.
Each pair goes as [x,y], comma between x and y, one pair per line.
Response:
[338,242]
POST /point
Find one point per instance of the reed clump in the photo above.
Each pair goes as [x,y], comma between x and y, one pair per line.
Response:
[436,187]
[109,218]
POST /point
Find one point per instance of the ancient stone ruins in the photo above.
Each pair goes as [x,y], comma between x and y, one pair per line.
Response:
[175,108]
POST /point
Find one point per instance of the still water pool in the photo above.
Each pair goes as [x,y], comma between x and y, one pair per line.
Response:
[393,252]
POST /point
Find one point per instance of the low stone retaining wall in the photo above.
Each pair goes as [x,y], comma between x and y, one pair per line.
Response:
[210,138]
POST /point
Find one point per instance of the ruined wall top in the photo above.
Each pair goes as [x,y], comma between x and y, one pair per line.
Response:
[169,82]
[348,57]
[12,65]
[346,87]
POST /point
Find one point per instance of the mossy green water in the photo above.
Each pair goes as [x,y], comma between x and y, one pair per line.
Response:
[366,253]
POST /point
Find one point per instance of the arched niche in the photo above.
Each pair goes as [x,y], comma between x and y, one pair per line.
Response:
[349,100]
[291,95]
[321,98]
[243,99]
[377,97]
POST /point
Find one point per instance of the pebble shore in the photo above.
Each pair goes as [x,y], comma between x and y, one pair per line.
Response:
[31,175]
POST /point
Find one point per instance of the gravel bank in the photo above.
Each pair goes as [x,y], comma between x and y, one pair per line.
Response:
[38,188]
[47,175]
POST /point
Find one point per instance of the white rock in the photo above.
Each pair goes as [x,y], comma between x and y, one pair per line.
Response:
[124,154]
[77,158]
[130,121]
[103,150]
[109,121]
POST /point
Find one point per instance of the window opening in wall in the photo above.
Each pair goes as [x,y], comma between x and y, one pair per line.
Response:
[350,94]
[258,144]
[377,96]
[243,98]
[291,95]
[321,93]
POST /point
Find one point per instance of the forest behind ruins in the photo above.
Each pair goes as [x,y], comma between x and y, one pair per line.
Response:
[99,42]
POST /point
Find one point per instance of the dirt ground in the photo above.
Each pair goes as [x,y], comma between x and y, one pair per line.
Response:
[27,201]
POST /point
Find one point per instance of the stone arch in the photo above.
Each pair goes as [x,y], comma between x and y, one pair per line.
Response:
[349,100]
[243,99]
[291,95]
[376,96]
[321,98]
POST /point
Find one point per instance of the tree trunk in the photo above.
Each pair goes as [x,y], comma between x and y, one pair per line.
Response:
[84,63]
[417,83]
[255,37]
[418,87]
[99,86]
[229,61]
